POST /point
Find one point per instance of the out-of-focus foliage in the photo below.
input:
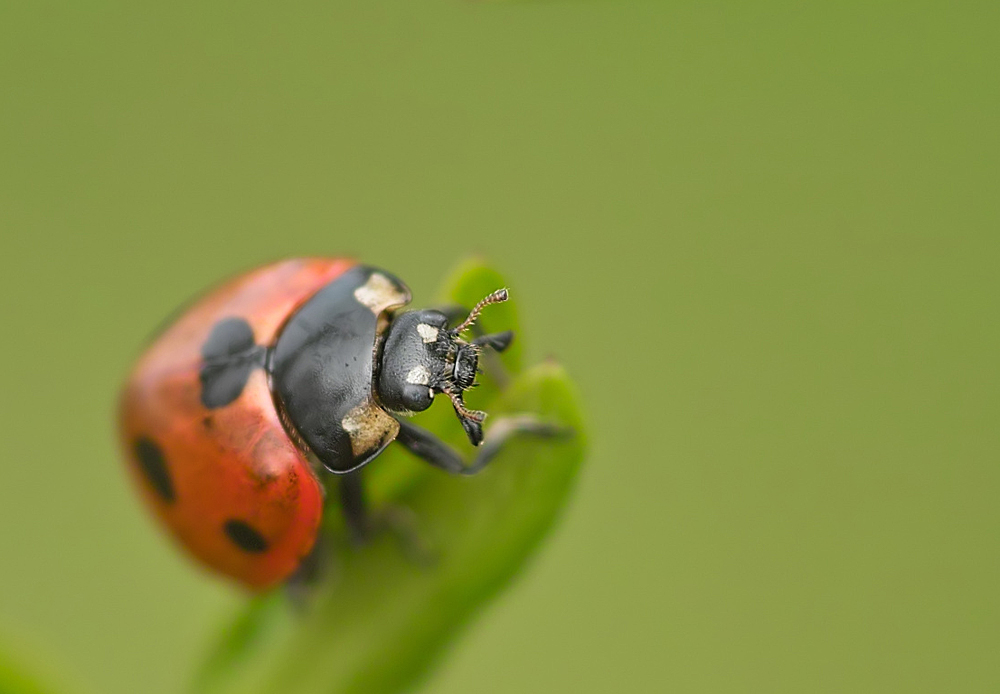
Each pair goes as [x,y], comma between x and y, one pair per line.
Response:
[14,680]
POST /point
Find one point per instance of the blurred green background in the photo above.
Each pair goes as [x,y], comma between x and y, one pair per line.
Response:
[762,237]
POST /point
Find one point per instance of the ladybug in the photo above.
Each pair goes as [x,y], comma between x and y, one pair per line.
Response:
[232,417]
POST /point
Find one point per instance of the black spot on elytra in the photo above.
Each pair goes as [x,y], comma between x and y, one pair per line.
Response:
[229,355]
[245,537]
[154,468]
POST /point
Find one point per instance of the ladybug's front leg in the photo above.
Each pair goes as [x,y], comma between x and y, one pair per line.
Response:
[362,523]
[355,507]
[430,448]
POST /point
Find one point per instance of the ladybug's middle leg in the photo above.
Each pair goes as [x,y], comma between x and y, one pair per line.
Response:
[355,507]
[321,559]
[363,524]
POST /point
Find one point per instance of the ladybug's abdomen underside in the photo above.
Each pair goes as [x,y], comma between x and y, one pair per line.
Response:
[199,425]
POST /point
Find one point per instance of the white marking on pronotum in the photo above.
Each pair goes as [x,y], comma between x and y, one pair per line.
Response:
[379,293]
[428,333]
[419,375]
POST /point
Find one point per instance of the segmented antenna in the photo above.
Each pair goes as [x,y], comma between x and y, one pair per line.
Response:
[497,297]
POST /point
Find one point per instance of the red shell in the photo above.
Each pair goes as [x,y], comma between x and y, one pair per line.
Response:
[235,464]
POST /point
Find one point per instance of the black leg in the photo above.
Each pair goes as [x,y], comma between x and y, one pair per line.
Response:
[498,341]
[317,564]
[364,524]
[429,447]
[355,507]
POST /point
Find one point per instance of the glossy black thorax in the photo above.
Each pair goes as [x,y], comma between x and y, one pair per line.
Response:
[322,368]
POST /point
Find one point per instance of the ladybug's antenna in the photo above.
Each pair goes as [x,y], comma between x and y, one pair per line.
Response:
[497,297]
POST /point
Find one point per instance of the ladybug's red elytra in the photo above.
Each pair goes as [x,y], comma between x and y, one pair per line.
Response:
[235,414]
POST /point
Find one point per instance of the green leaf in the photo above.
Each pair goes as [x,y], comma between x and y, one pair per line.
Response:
[379,620]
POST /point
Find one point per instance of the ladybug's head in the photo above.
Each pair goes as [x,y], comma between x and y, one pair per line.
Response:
[422,357]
